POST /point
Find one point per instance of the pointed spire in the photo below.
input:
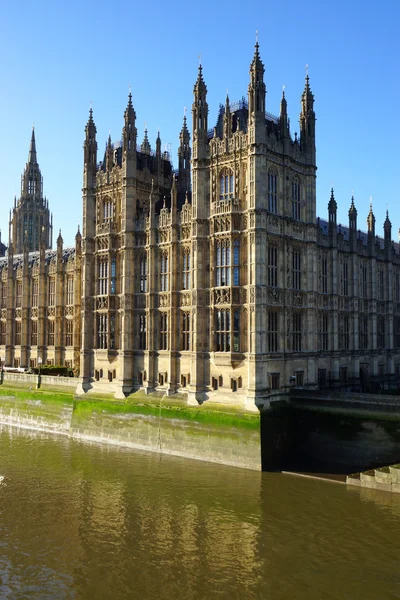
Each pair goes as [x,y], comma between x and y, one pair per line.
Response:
[307,98]
[371,219]
[145,146]
[352,215]
[332,208]
[32,157]
[387,226]
[90,129]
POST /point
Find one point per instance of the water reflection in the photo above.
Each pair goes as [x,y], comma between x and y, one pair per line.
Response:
[87,521]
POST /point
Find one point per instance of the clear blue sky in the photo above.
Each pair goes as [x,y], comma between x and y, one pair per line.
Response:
[57,57]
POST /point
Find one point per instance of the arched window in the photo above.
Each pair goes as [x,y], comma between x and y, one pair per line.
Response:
[226,185]
[143,273]
[296,190]
[272,193]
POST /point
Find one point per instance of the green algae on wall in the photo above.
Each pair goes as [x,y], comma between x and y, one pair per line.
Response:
[213,434]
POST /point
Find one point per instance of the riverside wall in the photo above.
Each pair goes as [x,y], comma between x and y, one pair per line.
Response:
[221,442]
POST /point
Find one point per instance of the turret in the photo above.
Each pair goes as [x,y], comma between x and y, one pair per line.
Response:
[332,210]
[90,152]
[59,246]
[184,156]
[158,153]
[371,222]
[227,120]
[307,119]
[387,229]
[352,216]
[109,154]
[257,89]
[129,131]
[200,112]
[283,118]
[145,145]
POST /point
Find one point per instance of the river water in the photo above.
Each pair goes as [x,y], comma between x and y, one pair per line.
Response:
[89,521]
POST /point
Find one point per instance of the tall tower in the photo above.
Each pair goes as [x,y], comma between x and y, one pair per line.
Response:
[30,221]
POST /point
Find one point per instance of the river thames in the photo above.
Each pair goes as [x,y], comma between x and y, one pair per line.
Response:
[79,520]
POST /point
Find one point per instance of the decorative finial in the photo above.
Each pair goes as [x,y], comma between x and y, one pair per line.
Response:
[257,37]
[199,57]
[184,111]
[307,70]
[129,88]
[370,203]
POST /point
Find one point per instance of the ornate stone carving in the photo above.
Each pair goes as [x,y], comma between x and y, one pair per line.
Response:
[222,296]
[102,303]
[273,296]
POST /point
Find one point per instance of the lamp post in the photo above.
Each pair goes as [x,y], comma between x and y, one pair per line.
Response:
[2,361]
[39,376]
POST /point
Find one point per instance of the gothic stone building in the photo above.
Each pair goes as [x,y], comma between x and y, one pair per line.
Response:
[212,280]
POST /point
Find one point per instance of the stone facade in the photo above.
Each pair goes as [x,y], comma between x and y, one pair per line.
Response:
[218,279]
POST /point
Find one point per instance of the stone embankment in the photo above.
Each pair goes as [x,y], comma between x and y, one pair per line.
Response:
[386,479]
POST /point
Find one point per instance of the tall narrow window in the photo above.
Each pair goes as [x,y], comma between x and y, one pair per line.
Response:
[297,333]
[103,276]
[296,211]
[381,333]
[142,332]
[344,338]
[185,331]
[363,332]
[70,291]
[186,269]
[223,331]
[108,210]
[397,286]
[223,263]
[272,196]
[112,338]
[236,262]
[344,278]
[50,333]
[3,330]
[324,332]
[52,291]
[324,275]
[236,331]
[163,331]
[35,292]
[18,327]
[4,293]
[18,299]
[296,270]
[272,266]
[226,183]
[272,338]
[143,273]
[381,283]
[363,280]
[102,331]
[113,278]
[69,331]
[164,272]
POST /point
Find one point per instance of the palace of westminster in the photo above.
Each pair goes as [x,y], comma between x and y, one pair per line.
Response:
[214,279]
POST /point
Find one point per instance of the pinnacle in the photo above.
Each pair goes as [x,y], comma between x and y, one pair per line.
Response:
[32,148]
